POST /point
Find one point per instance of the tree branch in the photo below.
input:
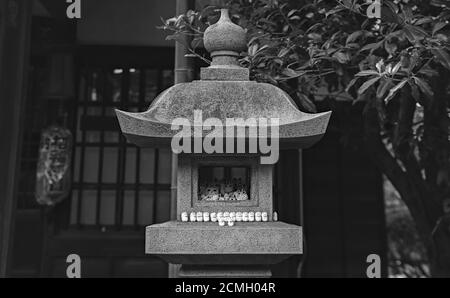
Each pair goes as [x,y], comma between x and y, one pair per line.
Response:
[405,151]
[389,166]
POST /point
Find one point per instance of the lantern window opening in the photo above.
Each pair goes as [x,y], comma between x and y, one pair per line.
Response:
[224,183]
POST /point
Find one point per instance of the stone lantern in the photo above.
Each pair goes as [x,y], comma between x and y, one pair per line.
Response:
[226,225]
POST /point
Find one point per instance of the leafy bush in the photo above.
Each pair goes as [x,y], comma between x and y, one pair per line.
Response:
[398,66]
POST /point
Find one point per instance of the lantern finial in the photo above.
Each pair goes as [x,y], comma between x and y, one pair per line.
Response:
[225,40]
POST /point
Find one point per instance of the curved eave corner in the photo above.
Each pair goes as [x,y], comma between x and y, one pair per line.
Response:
[304,133]
[144,132]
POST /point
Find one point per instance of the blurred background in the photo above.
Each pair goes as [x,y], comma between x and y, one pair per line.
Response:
[61,80]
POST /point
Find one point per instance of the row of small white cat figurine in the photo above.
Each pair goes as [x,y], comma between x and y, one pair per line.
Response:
[227,217]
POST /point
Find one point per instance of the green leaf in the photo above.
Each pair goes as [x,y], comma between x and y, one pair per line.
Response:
[343,58]
[394,90]
[334,11]
[424,87]
[367,85]
[440,3]
[261,49]
[176,37]
[315,36]
[438,27]
[353,45]
[390,47]
[415,92]
[392,6]
[428,71]
[347,3]
[283,52]
[414,33]
[389,13]
[292,73]
[252,50]
[197,42]
[366,73]
[442,56]
[384,87]
[351,84]
[372,46]
[424,20]
[408,13]
[307,104]
[396,68]
[291,13]
[354,36]
[380,65]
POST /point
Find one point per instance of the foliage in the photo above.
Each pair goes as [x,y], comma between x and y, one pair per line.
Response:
[398,66]
[406,252]
[327,43]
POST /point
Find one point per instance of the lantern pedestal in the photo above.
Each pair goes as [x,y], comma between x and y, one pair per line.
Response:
[197,271]
[208,250]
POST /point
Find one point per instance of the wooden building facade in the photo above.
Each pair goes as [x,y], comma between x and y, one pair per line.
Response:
[122,61]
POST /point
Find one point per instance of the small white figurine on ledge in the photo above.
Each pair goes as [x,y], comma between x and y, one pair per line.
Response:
[265,217]
[275,216]
[199,216]
[206,217]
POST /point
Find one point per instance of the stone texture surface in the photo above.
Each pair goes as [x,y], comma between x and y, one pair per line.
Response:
[222,100]
[224,74]
[225,36]
[224,92]
[223,271]
[207,243]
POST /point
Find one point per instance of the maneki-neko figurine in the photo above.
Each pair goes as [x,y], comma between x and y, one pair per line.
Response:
[224,191]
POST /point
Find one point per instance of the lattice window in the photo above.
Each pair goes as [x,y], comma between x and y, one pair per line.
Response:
[117,184]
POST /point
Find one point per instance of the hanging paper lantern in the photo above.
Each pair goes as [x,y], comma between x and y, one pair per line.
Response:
[53,171]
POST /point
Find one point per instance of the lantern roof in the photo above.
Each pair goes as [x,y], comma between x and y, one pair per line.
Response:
[223,92]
